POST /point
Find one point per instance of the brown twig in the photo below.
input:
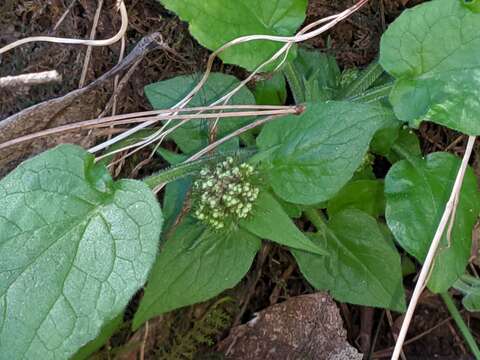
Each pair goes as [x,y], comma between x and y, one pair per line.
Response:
[88,54]
[394,331]
[283,279]
[262,256]
[366,326]
[388,352]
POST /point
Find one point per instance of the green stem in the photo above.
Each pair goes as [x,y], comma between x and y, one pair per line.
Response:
[467,335]
[185,169]
[317,219]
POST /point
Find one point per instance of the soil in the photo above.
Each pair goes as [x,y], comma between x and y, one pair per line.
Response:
[275,277]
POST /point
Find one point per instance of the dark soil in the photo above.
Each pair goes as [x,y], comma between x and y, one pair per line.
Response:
[274,277]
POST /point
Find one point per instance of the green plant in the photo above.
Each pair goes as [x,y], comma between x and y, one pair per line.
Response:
[76,246]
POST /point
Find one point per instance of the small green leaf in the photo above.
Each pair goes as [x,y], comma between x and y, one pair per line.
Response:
[416,191]
[362,267]
[310,157]
[74,248]
[472,5]
[174,199]
[193,136]
[175,191]
[272,91]
[269,221]
[384,139]
[195,264]
[215,22]
[312,76]
[365,195]
[171,157]
[407,144]
[433,51]
[470,287]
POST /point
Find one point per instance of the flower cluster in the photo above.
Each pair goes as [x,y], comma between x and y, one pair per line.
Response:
[224,193]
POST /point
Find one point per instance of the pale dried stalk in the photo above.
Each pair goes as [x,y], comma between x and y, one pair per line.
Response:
[289,40]
[127,119]
[427,265]
[164,132]
[30,79]
[106,42]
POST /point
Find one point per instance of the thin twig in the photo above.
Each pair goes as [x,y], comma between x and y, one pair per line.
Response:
[43,77]
[395,337]
[427,265]
[144,342]
[62,18]
[124,119]
[88,54]
[386,352]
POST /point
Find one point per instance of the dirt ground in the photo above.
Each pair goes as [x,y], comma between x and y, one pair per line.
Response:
[274,277]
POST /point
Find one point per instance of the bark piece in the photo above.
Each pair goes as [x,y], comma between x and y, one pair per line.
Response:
[303,327]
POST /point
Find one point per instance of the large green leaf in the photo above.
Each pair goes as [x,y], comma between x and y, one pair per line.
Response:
[362,266]
[365,195]
[195,264]
[416,191]
[215,22]
[74,247]
[312,156]
[194,135]
[433,50]
[270,221]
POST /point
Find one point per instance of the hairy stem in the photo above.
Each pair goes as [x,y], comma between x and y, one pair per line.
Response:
[185,169]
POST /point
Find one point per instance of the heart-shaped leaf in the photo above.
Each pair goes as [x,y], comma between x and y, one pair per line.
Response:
[416,192]
[362,266]
[74,248]
[195,264]
[433,50]
[311,156]
[215,22]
